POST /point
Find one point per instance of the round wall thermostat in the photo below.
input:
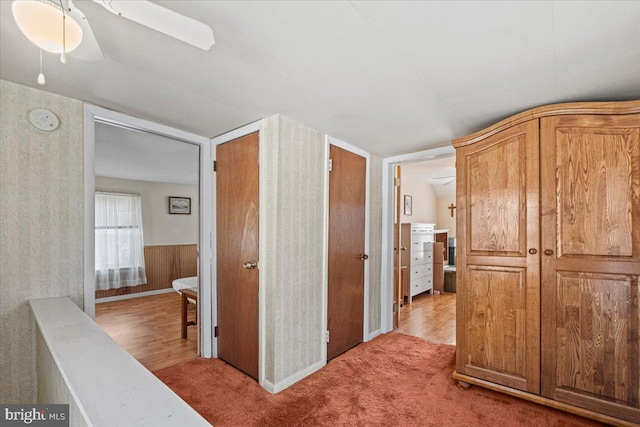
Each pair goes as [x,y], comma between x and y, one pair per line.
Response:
[44,120]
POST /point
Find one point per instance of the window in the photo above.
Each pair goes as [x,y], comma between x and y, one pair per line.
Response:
[119,241]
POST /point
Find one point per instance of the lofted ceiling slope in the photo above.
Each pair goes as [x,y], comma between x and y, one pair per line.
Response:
[390,77]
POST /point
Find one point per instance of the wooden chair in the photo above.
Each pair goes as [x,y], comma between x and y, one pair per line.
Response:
[188,296]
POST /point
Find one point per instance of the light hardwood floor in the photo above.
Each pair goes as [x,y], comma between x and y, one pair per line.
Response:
[432,317]
[149,329]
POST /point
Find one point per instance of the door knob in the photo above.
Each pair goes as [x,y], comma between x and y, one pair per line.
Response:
[250,265]
[548,252]
[364,257]
[403,248]
[533,251]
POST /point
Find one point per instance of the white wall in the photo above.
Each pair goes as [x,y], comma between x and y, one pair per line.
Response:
[444,219]
[425,203]
[41,224]
[160,228]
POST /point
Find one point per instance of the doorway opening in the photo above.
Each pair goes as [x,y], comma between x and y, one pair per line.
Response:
[146,243]
[147,228]
[419,224]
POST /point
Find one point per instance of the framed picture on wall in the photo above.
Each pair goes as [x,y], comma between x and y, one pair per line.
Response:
[180,205]
[408,205]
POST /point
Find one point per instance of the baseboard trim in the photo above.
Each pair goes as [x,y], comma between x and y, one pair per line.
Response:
[268,385]
[135,295]
[374,334]
[287,382]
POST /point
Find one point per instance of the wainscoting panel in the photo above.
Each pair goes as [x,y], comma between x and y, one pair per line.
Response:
[164,264]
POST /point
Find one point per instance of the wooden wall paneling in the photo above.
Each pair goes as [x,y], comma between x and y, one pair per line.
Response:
[591,266]
[163,265]
[498,187]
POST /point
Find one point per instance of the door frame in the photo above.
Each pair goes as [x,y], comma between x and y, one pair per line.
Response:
[93,114]
[388,203]
[250,128]
[366,336]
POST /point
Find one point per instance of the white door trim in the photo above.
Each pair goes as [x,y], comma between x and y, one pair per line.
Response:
[93,113]
[386,279]
[329,140]
[256,126]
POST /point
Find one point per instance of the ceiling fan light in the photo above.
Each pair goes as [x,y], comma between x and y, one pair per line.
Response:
[41,22]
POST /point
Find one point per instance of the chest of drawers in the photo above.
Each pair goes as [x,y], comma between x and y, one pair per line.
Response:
[417,255]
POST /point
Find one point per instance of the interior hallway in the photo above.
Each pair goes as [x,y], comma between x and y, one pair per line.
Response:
[432,317]
[148,328]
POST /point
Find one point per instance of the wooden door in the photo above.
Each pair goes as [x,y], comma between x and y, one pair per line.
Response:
[237,252]
[398,271]
[591,262]
[444,239]
[498,338]
[347,188]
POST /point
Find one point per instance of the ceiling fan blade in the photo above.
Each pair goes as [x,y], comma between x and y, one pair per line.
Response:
[163,20]
[89,49]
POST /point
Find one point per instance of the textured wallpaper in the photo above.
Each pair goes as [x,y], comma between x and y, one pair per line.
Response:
[295,173]
[41,224]
[375,241]
[295,182]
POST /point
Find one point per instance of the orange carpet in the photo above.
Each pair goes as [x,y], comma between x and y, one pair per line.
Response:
[394,380]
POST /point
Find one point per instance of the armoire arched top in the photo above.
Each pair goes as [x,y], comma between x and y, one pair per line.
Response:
[622,107]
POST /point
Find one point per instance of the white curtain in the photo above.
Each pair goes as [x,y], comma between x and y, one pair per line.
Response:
[119,242]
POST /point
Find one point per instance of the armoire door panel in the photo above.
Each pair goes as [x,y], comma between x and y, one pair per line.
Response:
[597,328]
[496,219]
[595,201]
[590,231]
[498,290]
[597,315]
[496,319]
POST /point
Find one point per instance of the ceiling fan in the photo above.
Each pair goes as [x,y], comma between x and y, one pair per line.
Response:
[45,23]
[452,178]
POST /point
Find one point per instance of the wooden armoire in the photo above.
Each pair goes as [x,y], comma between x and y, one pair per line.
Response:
[549,258]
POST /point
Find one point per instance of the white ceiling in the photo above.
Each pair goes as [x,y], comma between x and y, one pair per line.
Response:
[440,173]
[389,77]
[128,154]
